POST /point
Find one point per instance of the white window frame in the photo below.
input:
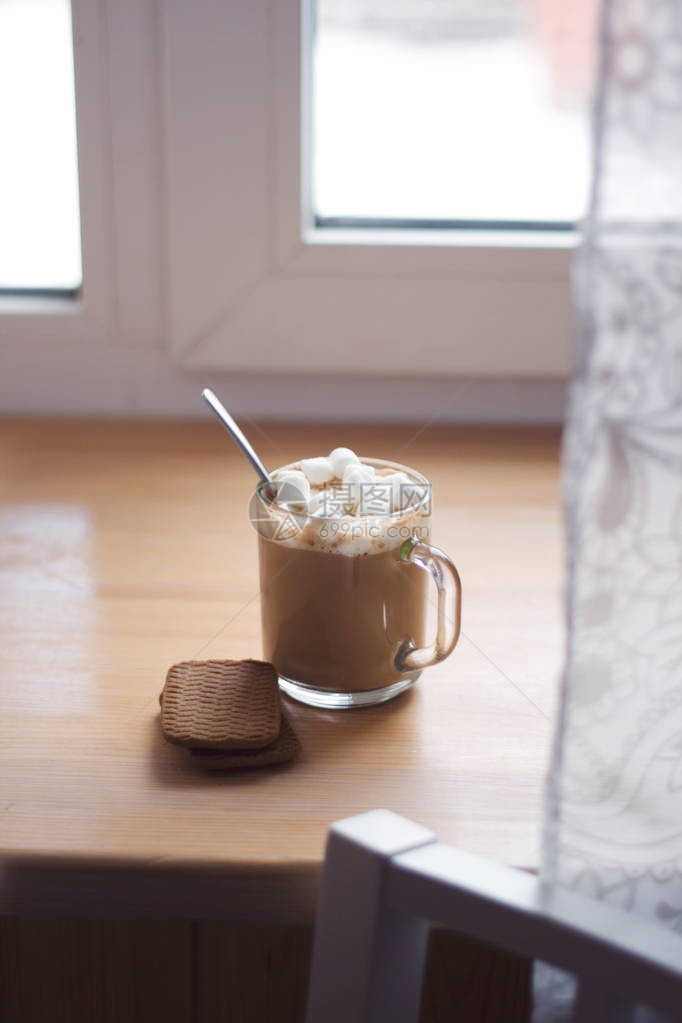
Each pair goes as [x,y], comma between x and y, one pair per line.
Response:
[255,286]
[116,70]
[37,316]
[199,246]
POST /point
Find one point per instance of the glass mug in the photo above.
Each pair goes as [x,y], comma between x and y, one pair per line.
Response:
[344,601]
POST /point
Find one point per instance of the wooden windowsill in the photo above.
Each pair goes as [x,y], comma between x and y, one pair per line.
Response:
[126,547]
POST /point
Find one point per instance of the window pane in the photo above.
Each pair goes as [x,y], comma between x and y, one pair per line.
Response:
[464,110]
[39,216]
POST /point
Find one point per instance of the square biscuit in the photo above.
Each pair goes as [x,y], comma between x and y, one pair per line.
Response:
[284,748]
[223,705]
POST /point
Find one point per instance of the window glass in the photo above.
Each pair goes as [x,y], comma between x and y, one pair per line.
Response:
[39,211]
[472,111]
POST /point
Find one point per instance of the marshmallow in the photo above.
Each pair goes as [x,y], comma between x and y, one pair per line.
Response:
[279,474]
[317,470]
[384,495]
[396,481]
[416,496]
[355,477]
[328,504]
[408,496]
[356,473]
[340,458]
[292,487]
[293,475]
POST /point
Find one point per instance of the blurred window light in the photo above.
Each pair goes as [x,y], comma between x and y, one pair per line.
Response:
[40,246]
[469,113]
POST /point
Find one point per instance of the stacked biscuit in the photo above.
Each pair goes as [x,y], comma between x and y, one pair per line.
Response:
[227,714]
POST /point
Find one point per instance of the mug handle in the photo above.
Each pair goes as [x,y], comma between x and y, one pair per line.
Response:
[449,586]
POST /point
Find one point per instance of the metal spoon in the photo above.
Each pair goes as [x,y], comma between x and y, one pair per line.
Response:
[237,435]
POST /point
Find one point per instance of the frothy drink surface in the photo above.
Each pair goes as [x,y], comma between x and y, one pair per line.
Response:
[337,600]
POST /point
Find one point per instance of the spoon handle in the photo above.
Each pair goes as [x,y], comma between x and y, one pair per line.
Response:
[230,425]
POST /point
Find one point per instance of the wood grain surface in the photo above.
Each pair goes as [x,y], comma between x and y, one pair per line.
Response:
[125,547]
[81,970]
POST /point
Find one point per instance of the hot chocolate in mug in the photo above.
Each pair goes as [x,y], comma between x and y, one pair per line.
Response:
[347,570]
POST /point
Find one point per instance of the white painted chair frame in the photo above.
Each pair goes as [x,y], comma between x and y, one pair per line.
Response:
[386,879]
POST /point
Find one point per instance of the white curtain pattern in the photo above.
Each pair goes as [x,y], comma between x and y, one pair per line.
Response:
[613,827]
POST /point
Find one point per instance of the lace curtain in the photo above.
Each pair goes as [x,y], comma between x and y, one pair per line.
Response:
[614,796]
